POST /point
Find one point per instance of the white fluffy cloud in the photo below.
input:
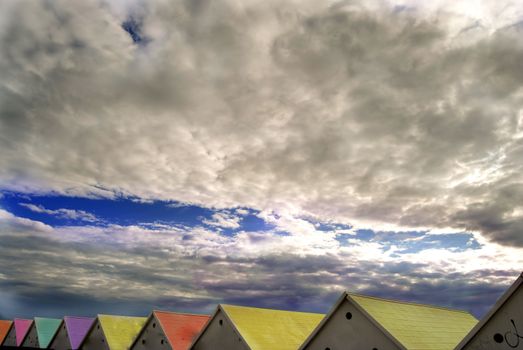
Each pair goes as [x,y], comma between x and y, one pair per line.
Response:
[198,267]
[223,220]
[63,213]
[370,115]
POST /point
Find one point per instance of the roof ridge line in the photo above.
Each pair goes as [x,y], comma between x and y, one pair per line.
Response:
[264,308]
[410,303]
[121,316]
[181,313]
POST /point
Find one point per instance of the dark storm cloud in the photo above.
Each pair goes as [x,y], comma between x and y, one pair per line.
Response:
[130,270]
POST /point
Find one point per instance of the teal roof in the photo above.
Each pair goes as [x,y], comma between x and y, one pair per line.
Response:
[46,329]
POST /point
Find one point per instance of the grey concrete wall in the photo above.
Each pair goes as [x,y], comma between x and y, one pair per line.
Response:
[220,336]
[31,339]
[356,333]
[95,339]
[152,337]
[61,339]
[504,331]
[10,339]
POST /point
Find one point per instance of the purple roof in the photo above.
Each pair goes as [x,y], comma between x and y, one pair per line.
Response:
[77,328]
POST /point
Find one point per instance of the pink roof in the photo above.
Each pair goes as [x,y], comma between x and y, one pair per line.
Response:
[21,329]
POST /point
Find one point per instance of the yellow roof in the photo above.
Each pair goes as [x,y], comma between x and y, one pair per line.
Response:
[120,331]
[416,326]
[265,329]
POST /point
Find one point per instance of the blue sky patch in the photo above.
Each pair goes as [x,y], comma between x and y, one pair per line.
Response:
[75,211]
[133,27]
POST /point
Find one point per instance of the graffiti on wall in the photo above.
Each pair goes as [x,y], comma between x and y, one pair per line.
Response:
[512,337]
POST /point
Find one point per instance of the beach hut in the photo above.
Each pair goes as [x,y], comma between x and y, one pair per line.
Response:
[112,332]
[5,327]
[359,322]
[169,330]
[249,328]
[71,333]
[502,326]
[10,337]
[41,332]
[17,333]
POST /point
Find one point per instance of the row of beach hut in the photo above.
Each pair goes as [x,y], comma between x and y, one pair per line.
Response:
[355,322]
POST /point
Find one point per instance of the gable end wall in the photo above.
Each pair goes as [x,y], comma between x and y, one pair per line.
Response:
[95,340]
[501,327]
[151,337]
[218,336]
[356,333]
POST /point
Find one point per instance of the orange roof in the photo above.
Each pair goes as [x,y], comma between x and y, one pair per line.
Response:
[5,326]
[181,329]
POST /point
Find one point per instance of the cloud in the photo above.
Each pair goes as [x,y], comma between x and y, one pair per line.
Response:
[395,119]
[223,220]
[362,114]
[63,213]
[130,269]
[12,223]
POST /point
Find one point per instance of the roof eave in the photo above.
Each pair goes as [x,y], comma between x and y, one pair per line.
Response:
[57,331]
[324,320]
[96,320]
[499,303]
[218,309]
[151,315]
[376,323]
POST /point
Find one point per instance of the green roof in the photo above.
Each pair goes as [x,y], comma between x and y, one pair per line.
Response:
[416,326]
[265,329]
[46,329]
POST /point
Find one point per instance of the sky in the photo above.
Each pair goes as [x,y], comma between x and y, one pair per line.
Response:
[178,154]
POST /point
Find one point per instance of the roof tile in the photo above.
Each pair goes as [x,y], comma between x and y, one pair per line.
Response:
[46,329]
[120,331]
[181,329]
[416,326]
[265,329]
[21,328]
[77,329]
[5,326]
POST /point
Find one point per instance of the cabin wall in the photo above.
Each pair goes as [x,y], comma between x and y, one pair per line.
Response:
[152,337]
[504,331]
[10,339]
[61,339]
[218,336]
[356,333]
[95,340]
[31,339]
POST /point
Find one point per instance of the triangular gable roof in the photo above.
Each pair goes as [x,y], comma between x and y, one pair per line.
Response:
[77,329]
[179,328]
[418,326]
[5,327]
[498,305]
[120,331]
[21,327]
[46,328]
[409,325]
[267,329]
